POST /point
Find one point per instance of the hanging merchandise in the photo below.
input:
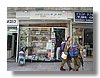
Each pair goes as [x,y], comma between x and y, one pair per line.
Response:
[49,45]
[57,53]
[53,35]
[49,53]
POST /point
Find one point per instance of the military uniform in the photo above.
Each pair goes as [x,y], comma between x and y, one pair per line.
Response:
[77,62]
[68,59]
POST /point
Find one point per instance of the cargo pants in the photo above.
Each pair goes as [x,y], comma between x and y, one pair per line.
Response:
[77,61]
[68,60]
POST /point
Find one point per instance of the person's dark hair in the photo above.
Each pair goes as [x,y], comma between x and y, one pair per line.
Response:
[26,48]
[68,38]
[22,49]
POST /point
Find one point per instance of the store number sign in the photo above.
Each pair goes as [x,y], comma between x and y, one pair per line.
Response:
[12,22]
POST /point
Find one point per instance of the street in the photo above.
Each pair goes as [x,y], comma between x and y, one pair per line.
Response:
[44,66]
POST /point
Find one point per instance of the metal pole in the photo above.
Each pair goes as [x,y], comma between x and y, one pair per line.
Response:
[70,28]
[66,31]
[17,42]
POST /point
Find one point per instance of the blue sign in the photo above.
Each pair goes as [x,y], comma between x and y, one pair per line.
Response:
[84,17]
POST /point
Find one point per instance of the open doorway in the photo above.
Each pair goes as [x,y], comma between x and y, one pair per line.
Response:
[88,41]
[11,46]
[60,35]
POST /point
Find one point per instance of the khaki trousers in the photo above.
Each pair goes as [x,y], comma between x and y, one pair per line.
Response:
[76,63]
[68,60]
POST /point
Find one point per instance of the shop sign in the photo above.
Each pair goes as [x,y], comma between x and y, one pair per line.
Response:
[48,15]
[83,17]
[12,22]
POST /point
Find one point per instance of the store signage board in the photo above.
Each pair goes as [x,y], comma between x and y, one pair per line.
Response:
[13,22]
[83,17]
[48,15]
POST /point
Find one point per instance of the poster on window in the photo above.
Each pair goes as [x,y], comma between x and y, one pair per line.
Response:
[53,35]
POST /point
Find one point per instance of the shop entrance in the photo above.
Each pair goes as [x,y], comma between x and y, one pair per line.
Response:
[60,36]
[88,41]
[11,46]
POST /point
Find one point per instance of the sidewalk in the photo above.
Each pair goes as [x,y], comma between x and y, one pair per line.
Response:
[11,60]
[88,58]
[44,66]
[85,59]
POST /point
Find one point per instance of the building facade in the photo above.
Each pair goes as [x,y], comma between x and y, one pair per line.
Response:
[42,30]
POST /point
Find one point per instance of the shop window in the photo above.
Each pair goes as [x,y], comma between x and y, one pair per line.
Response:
[36,40]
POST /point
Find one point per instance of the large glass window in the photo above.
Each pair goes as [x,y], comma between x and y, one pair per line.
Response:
[36,39]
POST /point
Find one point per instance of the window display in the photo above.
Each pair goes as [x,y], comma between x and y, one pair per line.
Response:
[23,36]
[36,40]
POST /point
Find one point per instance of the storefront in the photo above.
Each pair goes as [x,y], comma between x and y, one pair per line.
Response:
[43,31]
[83,28]
[41,40]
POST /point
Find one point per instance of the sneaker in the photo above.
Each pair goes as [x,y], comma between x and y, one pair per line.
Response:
[62,69]
[70,68]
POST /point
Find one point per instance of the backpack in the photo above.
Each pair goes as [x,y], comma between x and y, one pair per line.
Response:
[73,51]
[63,45]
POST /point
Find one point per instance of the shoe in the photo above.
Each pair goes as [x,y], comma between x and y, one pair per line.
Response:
[70,68]
[62,69]
[76,69]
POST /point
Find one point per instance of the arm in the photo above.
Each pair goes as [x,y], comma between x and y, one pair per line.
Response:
[66,48]
[79,44]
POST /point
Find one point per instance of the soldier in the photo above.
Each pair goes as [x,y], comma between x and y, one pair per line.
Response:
[77,60]
[68,59]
